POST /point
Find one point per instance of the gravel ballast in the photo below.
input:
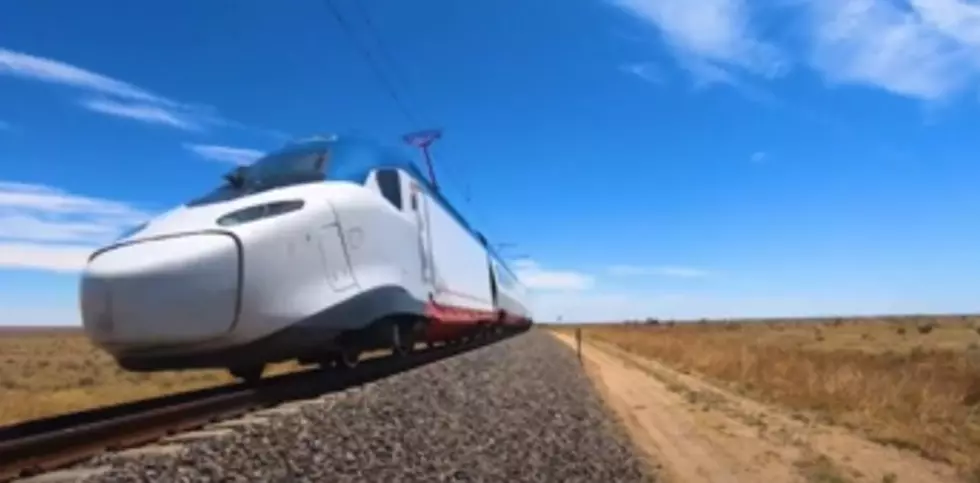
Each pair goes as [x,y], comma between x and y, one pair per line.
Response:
[518,410]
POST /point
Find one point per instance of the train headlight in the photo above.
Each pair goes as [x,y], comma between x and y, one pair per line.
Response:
[260,212]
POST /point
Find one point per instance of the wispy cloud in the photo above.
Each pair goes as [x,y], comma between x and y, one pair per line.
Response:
[115,97]
[646,71]
[711,38]
[120,98]
[149,113]
[610,306]
[571,291]
[759,157]
[47,199]
[21,226]
[27,66]
[925,49]
[45,228]
[50,258]
[576,296]
[665,271]
[225,154]
[538,278]
[921,49]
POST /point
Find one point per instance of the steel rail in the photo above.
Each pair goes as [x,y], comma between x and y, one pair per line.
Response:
[42,445]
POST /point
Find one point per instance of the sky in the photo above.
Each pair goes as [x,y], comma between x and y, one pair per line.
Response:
[636,158]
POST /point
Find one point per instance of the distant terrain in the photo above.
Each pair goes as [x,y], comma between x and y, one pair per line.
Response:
[52,370]
[908,382]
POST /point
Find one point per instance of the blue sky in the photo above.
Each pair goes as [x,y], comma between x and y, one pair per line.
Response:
[646,158]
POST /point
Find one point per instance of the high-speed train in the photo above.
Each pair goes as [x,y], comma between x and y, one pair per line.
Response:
[319,251]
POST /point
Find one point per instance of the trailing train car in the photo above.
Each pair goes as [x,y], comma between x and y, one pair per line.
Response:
[317,252]
[510,295]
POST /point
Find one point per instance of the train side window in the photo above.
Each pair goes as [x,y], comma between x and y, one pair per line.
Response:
[390,186]
[415,201]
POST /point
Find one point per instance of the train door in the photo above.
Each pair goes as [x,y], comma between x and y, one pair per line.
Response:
[420,206]
[493,286]
[336,266]
[491,270]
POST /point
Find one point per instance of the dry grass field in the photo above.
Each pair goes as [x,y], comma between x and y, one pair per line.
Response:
[912,382]
[44,372]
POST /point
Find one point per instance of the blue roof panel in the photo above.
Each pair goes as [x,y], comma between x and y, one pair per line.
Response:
[352,159]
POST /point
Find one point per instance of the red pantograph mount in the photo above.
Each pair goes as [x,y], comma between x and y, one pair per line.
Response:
[422,140]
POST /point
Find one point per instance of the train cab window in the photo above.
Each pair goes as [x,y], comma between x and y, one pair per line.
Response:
[390,186]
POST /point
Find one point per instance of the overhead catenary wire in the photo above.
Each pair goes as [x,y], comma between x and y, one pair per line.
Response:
[390,85]
[393,65]
[373,63]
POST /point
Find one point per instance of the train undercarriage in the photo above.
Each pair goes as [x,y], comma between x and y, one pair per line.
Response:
[400,335]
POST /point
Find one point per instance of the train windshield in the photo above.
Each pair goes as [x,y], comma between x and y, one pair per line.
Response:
[349,159]
[279,169]
[275,170]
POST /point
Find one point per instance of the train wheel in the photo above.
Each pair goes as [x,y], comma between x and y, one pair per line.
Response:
[248,374]
[348,358]
[402,338]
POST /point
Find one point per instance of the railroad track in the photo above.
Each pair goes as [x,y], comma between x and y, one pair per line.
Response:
[47,444]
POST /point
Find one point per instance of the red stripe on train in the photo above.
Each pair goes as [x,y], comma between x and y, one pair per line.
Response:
[450,314]
[447,321]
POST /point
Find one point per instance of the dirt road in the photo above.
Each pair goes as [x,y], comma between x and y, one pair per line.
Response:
[696,432]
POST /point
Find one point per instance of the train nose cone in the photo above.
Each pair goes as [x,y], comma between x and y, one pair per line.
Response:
[162,291]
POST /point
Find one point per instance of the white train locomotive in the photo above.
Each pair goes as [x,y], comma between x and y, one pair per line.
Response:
[317,252]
